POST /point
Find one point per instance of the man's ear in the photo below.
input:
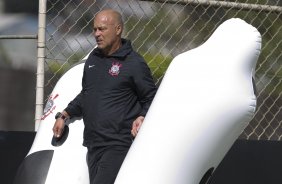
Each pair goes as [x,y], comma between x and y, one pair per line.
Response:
[118,29]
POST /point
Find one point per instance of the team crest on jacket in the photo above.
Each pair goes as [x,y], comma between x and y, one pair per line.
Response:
[115,69]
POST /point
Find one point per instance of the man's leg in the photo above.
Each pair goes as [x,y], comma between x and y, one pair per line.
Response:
[104,166]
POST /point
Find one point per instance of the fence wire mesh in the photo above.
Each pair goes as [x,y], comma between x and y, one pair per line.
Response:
[161,29]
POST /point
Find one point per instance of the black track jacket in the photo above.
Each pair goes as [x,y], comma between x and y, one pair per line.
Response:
[116,89]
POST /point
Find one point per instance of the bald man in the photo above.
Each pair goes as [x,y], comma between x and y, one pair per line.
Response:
[117,90]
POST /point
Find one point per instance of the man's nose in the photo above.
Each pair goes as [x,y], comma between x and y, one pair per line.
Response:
[97,33]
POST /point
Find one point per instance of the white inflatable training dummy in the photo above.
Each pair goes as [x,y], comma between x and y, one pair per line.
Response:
[204,102]
[57,161]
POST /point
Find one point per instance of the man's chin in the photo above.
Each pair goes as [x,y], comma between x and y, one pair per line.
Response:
[99,46]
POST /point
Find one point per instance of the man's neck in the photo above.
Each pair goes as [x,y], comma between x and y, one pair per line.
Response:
[113,49]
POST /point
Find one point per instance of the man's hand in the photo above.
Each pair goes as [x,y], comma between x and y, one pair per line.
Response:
[58,127]
[136,125]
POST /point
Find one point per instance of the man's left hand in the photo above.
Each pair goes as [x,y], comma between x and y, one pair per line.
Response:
[136,125]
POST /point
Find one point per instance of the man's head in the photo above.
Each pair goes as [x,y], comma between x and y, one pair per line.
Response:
[108,27]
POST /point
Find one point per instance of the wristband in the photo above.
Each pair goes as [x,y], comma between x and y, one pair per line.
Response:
[60,115]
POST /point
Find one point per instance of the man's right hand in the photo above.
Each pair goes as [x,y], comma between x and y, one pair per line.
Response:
[58,127]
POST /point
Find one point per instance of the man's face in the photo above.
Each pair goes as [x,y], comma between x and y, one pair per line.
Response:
[105,32]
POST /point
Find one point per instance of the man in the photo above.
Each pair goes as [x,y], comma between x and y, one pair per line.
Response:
[117,90]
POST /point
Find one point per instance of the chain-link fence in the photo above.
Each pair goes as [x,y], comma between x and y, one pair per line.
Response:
[161,29]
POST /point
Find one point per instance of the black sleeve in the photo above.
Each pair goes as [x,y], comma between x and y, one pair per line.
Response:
[145,86]
[74,108]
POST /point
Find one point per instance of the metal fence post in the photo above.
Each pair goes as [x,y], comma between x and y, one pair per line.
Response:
[40,62]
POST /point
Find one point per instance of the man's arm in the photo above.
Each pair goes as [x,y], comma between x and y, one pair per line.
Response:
[74,109]
[145,87]
[146,90]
